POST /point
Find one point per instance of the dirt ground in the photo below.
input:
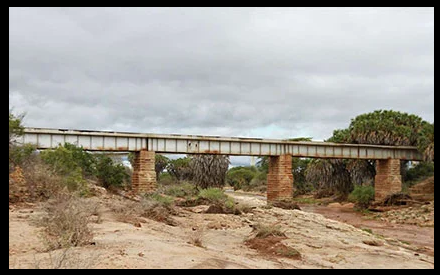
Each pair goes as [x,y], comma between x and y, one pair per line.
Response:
[322,242]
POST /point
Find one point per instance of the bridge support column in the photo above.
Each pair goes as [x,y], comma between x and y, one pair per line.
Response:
[280,178]
[388,179]
[143,179]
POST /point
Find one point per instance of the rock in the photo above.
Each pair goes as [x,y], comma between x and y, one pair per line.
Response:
[372,242]
[137,224]
[334,204]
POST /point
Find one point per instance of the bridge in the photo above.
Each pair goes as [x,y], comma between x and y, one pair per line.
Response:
[280,152]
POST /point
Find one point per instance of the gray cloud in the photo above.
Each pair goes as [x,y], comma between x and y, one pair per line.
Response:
[264,72]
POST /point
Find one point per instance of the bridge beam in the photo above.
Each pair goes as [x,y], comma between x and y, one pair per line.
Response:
[280,178]
[388,179]
[143,179]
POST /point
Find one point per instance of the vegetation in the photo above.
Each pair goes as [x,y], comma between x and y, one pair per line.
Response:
[209,170]
[382,127]
[264,231]
[110,174]
[66,223]
[240,177]
[15,127]
[362,196]
[180,169]
[181,190]
[418,172]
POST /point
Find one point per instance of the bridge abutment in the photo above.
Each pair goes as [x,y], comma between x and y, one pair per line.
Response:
[388,179]
[280,178]
[143,179]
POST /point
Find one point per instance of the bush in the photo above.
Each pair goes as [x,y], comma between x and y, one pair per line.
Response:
[418,172]
[165,178]
[213,195]
[362,195]
[66,223]
[217,198]
[240,177]
[264,231]
[21,155]
[110,174]
[183,190]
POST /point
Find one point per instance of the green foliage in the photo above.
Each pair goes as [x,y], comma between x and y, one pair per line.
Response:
[109,173]
[209,170]
[86,161]
[216,196]
[165,178]
[263,164]
[74,164]
[419,172]
[425,142]
[264,230]
[381,127]
[16,128]
[362,195]
[183,190]
[213,195]
[180,168]
[20,155]
[159,200]
[329,177]
[386,127]
[240,177]
[161,162]
[299,167]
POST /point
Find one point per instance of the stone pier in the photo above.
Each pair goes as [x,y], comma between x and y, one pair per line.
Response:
[280,178]
[388,179]
[143,179]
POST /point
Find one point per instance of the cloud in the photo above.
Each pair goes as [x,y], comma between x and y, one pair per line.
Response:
[270,72]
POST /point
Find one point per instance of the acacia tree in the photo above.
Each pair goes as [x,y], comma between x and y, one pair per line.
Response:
[180,168]
[381,127]
[209,170]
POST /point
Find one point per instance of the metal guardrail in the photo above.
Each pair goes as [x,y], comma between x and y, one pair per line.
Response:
[45,138]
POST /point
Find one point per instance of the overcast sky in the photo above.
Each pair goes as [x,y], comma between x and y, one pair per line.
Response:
[253,72]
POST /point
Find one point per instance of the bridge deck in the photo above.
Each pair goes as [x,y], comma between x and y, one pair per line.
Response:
[45,138]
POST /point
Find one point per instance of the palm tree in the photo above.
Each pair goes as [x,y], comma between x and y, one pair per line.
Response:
[209,170]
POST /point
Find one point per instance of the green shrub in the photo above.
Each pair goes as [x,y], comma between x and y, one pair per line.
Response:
[159,200]
[362,195]
[109,173]
[21,155]
[240,177]
[213,195]
[418,172]
[183,190]
[165,178]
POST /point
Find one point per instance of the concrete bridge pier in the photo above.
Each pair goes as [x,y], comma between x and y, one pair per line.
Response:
[280,178]
[143,179]
[388,179]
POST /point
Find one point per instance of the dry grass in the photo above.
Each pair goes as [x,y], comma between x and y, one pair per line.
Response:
[66,222]
[67,258]
[196,238]
[263,230]
[267,240]
[153,207]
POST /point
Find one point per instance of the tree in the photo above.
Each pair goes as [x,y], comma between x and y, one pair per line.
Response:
[425,142]
[209,170]
[16,128]
[381,127]
[180,168]
[160,164]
